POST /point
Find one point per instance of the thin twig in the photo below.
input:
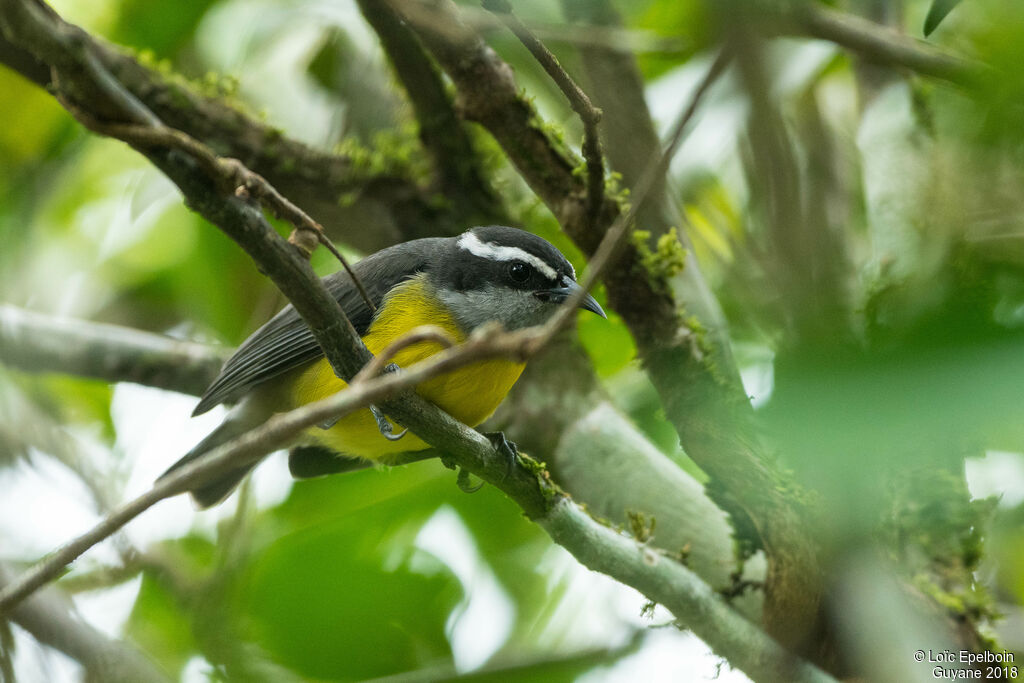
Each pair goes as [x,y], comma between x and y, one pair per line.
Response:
[578,100]
[423,333]
[653,172]
[324,240]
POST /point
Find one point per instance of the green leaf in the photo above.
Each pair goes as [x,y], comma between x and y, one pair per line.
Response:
[938,12]
[160,627]
[342,601]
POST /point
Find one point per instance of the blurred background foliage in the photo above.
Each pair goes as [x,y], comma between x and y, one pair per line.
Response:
[862,227]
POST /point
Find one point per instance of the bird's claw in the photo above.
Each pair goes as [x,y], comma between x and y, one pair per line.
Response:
[386,430]
[506,448]
[463,482]
[327,424]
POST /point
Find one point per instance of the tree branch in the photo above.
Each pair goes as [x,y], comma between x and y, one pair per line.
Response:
[600,548]
[578,100]
[40,32]
[665,581]
[39,343]
[449,145]
[48,616]
[367,211]
[879,43]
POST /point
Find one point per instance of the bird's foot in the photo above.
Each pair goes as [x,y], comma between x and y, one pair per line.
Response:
[506,448]
[386,430]
[463,482]
[382,422]
[327,424]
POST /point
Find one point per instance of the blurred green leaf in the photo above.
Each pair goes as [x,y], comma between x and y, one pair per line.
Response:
[848,423]
[329,601]
[608,342]
[160,626]
[164,38]
[28,121]
[936,13]
[691,22]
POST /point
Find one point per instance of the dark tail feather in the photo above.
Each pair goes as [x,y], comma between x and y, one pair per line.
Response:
[214,491]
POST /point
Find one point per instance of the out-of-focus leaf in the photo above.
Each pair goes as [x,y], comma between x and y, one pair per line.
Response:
[1007,553]
[331,603]
[936,13]
[608,342]
[511,547]
[164,38]
[416,489]
[692,22]
[848,424]
[551,669]
[27,122]
[160,627]
[70,399]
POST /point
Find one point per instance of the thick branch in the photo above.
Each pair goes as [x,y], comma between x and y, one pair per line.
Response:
[665,581]
[40,343]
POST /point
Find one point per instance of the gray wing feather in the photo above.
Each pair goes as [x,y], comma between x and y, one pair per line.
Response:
[285,342]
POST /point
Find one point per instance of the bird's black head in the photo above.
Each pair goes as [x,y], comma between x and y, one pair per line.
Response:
[504,274]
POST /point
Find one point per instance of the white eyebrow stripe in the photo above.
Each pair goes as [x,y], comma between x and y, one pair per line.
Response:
[495,252]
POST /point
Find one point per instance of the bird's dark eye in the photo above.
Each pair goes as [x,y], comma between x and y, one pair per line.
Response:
[519,271]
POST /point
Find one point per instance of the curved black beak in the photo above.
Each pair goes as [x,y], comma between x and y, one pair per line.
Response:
[558,295]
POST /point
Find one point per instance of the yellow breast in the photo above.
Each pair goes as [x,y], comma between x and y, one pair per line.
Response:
[470,394]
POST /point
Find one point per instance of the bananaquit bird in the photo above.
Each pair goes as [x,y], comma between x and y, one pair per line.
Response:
[456,283]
